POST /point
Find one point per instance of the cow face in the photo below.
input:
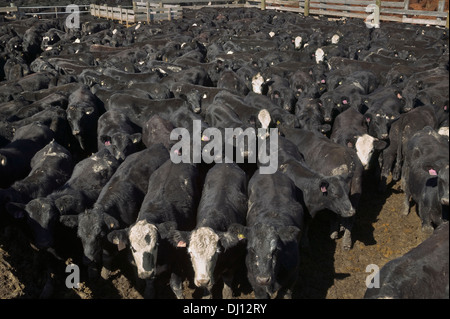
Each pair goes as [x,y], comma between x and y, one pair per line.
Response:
[82,118]
[365,146]
[379,124]
[42,219]
[143,239]
[331,193]
[204,249]
[93,226]
[262,254]
[126,144]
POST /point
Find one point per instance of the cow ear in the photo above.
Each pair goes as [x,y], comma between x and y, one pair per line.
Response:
[235,234]
[178,238]
[136,138]
[325,128]
[165,229]
[289,234]
[324,187]
[105,139]
[379,144]
[89,110]
[119,238]
[70,221]
[3,160]
[16,210]
[110,222]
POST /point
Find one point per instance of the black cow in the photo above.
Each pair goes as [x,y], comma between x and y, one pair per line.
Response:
[422,273]
[211,244]
[275,220]
[309,115]
[115,128]
[425,176]
[169,204]
[116,207]
[15,158]
[51,167]
[350,129]
[399,134]
[332,160]
[79,192]
[83,112]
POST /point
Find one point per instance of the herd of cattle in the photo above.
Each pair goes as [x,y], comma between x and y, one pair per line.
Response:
[86,117]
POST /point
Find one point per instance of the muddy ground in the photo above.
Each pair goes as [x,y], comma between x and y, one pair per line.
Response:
[380,234]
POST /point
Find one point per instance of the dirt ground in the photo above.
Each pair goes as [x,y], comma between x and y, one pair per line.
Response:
[380,234]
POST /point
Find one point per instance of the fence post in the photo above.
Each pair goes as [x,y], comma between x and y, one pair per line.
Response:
[406,7]
[148,12]
[306,12]
[170,14]
[376,17]
[263,4]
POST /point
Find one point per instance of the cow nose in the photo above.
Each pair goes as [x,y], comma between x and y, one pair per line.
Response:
[263,280]
[384,136]
[204,282]
[444,201]
[327,119]
[76,132]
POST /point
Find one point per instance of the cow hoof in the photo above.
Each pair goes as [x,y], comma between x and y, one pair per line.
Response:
[427,229]
[334,235]
[405,211]
[105,273]
[346,244]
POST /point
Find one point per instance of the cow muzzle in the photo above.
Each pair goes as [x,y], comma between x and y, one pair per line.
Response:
[263,280]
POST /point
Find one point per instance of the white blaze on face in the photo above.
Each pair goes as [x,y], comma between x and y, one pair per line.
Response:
[203,248]
[298,42]
[257,82]
[144,247]
[264,118]
[319,55]
[364,149]
[443,131]
[335,39]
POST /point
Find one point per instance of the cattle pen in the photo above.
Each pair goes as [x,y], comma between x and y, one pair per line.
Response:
[373,11]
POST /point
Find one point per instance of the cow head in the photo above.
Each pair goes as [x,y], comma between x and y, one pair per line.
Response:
[126,144]
[43,216]
[264,247]
[365,146]
[143,238]
[93,226]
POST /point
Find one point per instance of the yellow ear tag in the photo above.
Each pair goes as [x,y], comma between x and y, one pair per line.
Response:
[241,236]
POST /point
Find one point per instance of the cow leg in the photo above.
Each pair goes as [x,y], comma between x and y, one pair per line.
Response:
[227,291]
[425,215]
[334,227]
[176,283]
[107,265]
[149,292]
[347,223]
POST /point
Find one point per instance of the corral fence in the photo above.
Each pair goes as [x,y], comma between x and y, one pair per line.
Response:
[44,12]
[372,11]
[375,10]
